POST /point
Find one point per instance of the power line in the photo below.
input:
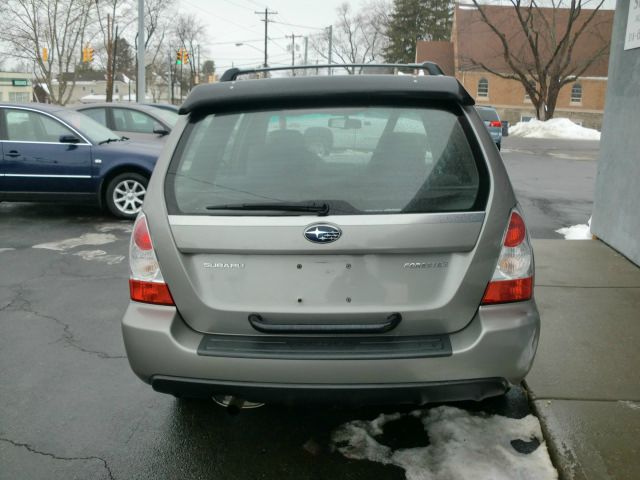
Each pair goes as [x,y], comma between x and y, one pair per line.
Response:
[298,26]
[237,4]
[218,16]
[253,40]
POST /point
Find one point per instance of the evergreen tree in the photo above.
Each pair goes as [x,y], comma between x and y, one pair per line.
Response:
[125,59]
[413,20]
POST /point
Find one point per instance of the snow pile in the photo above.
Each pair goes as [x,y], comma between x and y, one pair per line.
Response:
[554,128]
[577,232]
[461,446]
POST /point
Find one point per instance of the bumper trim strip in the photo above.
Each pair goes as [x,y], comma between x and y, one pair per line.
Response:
[325,347]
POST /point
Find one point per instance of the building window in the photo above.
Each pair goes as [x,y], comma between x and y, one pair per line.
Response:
[483,88]
[19,97]
[576,93]
[526,118]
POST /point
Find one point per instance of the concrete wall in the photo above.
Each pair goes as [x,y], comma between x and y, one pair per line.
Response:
[616,211]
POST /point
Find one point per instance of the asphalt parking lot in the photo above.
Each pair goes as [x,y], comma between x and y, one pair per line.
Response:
[72,408]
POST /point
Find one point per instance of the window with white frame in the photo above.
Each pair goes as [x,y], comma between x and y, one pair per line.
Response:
[576,93]
[19,97]
[483,88]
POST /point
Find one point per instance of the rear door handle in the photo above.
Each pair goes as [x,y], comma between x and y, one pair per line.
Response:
[12,153]
[262,325]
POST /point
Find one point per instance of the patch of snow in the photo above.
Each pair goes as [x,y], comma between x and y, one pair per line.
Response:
[100,256]
[85,239]
[461,446]
[577,232]
[631,405]
[555,128]
[125,227]
[6,249]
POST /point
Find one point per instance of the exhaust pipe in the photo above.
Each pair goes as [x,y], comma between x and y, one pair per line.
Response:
[234,404]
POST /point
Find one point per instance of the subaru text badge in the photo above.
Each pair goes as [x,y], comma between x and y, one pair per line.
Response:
[322,233]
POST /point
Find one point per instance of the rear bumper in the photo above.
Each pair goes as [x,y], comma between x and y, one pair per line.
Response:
[494,350]
[420,393]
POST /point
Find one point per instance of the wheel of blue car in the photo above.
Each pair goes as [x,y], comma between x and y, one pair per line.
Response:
[125,194]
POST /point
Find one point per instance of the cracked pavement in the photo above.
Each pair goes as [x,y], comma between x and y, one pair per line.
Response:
[72,408]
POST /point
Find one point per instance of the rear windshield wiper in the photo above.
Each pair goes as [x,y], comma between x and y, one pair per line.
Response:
[108,140]
[320,209]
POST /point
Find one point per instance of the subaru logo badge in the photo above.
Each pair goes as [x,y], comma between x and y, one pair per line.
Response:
[322,233]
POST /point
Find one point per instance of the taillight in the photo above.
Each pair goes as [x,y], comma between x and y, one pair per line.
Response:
[512,279]
[495,123]
[146,283]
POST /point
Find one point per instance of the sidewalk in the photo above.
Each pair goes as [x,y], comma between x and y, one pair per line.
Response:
[585,382]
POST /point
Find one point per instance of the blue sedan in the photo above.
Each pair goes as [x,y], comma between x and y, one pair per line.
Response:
[49,153]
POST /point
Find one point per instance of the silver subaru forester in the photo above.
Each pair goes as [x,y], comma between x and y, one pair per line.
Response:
[337,238]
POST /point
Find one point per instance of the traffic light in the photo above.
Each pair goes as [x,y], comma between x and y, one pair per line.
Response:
[185,57]
[179,57]
[45,54]
[84,55]
[89,54]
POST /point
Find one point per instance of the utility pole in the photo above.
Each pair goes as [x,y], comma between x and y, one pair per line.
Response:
[306,50]
[198,63]
[113,66]
[171,75]
[266,14]
[140,93]
[293,51]
[330,47]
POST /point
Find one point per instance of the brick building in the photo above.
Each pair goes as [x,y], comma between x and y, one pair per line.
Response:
[473,43]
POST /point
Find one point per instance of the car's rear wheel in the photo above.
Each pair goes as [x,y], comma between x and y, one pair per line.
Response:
[125,194]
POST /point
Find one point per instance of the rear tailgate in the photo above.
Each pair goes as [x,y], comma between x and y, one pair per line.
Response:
[429,267]
[415,265]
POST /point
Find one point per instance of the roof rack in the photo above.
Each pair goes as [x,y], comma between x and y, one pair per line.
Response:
[233,73]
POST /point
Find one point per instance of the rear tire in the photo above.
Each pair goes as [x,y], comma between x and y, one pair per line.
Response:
[125,194]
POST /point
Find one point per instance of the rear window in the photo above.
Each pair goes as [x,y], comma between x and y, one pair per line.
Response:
[357,161]
[488,114]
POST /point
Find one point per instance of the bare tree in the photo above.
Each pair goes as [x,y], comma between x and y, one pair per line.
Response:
[158,21]
[545,50]
[29,26]
[113,17]
[189,33]
[358,37]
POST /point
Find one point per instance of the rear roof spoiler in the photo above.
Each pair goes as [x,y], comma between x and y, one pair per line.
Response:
[323,90]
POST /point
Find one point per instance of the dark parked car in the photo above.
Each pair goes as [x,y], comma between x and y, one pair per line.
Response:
[138,122]
[50,153]
[492,121]
[164,106]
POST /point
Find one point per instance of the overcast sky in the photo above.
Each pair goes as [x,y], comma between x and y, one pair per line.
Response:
[234,21]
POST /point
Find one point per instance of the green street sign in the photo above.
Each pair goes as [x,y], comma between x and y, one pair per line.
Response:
[20,83]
